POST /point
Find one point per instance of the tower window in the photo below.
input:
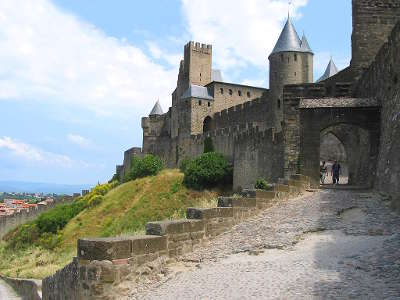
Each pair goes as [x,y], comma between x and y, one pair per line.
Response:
[288,59]
[248,95]
[279,103]
[240,93]
[295,74]
[199,102]
[295,57]
[230,92]
[281,57]
[209,104]
[222,91]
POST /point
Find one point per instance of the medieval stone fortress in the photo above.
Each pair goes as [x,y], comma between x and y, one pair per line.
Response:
[273,133]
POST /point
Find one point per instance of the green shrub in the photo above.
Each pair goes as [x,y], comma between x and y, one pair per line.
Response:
[149,165]
[95,200]
[261,184]
[207,170]
[101,189]
[183,164]
[208,145]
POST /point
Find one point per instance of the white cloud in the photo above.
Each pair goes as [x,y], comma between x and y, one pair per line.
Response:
[33,154]
[79,140]
[241,32]
[48,54]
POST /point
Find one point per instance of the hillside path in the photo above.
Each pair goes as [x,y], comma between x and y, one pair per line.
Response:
[325,245]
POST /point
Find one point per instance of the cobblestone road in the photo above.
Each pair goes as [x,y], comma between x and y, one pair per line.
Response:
[327,245]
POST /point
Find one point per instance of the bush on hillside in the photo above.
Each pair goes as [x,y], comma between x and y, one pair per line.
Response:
[183,164]
[261,184]
[95,200]
[207,170]
[149,165]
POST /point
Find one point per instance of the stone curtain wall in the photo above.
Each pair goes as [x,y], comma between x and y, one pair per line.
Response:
[8,223]
[103,263]
[257,155]
[373,20]
[382,81]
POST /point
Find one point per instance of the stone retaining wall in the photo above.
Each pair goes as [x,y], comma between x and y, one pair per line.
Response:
[103,263]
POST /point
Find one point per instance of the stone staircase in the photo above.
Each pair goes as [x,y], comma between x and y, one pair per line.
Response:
[103,263]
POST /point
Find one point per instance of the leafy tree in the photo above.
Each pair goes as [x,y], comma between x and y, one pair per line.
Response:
[208,145]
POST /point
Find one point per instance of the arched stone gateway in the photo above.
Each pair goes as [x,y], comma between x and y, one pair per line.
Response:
[207,124]
[355,122]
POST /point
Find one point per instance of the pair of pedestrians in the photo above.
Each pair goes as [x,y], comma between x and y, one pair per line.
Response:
[335,172]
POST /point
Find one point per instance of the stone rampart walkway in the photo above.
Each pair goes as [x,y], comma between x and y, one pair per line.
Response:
[326,245]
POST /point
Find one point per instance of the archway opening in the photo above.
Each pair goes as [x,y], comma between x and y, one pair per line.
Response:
[331,150]
[207,124]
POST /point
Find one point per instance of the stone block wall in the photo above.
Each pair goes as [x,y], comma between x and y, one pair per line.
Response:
[373,21]
[382,81]
[103,263]
[257,154]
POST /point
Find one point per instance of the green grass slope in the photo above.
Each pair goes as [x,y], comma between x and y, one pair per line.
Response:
[123,211]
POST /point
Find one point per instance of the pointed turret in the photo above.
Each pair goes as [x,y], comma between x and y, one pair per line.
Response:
[289,40]
[331,70]
[157,110]
[305,46]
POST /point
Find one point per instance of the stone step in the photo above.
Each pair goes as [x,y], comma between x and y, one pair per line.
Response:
[236,202]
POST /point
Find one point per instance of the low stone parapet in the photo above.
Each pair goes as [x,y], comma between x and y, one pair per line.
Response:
[102,263]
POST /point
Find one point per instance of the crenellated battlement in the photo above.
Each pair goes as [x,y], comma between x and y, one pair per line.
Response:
[196,46]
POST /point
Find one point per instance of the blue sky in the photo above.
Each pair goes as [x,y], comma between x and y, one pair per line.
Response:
[77,76]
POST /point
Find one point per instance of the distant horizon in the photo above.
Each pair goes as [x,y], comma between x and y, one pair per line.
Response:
[17,186]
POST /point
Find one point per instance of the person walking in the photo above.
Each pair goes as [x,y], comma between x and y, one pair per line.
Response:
[323,172]
[335,172]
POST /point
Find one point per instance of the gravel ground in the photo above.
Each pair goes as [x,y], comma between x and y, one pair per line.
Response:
[327,245]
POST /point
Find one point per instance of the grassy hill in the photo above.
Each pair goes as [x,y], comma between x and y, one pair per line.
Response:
[124,211]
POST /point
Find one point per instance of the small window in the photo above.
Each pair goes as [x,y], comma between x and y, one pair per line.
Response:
[295,57]
[240,93]
[199,102]
[288,59]
[230,92]
[209,104]
[281,57]
[279,103]
[222,91]
[248,95]
[295,74]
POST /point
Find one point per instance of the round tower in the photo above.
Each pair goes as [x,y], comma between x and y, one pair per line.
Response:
[291,62]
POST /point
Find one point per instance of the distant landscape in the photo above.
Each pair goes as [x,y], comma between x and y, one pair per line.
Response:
[40,187]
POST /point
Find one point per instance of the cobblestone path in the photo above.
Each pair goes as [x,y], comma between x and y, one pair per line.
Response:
[328,245]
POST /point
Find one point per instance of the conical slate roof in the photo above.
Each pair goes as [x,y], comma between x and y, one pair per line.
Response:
[331,70]
[157,110]
[289,40]
[197,91]
[305,46]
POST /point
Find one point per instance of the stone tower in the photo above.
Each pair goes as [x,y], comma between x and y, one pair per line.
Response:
[195,68]
[291,62]
[373,20]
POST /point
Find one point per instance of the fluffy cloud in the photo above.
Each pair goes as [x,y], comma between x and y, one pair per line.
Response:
[50,55]
[79,140]
[33,154]
[242,32]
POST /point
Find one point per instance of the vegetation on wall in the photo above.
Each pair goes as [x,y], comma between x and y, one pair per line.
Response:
[261,184]
[207,170]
